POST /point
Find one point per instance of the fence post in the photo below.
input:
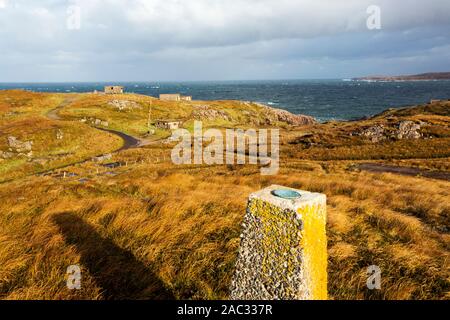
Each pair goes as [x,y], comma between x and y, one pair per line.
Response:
[283,250]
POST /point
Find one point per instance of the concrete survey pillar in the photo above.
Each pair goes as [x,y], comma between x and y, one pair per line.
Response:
[283,250]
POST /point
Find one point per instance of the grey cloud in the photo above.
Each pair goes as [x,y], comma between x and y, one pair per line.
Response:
[217,38]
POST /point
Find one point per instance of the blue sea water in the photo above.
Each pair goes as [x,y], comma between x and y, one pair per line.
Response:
[322,99]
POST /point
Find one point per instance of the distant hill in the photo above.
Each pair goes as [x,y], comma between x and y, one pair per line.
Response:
[435,108]
[423,76]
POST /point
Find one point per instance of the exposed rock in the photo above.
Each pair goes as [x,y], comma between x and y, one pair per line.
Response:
[375,133]
[6,154]
[208,113]
[125,105]
[19,146]
[103,158]
[404,130]
[274,115]
[28,155]
[293,119]
[408,130]
[95,122]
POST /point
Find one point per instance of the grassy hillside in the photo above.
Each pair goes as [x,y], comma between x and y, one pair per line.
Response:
[150,229]
[439,108]
[129,113]
[23,115]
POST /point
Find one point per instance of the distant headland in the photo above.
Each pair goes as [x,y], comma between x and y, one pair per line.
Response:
[417,77]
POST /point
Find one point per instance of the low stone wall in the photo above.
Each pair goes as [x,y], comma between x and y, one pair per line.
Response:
[283,251]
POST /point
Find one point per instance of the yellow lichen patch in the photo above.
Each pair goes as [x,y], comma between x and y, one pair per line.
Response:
[280,244]
[294,249]
[314,244]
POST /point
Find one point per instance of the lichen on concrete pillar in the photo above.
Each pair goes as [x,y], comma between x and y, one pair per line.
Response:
[283,250]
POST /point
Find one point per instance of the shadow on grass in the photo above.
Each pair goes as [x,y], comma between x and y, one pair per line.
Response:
[115,270]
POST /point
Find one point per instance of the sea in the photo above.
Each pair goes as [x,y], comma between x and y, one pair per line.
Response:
[337,99]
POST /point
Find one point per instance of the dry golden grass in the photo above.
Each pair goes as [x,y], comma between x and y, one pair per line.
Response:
[158,231]
[23,115]
[182,225]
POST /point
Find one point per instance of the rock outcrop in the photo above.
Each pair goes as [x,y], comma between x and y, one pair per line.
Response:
[409,130]
[17,148]
[375,133]
[123,105]
[104,157]
[6,155]
[95,122]
[403,130]
[208,113]
[274,115]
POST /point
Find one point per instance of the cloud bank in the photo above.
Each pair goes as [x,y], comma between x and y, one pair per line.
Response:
[104,40]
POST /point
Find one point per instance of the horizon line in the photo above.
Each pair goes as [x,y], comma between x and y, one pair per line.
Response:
[167,81]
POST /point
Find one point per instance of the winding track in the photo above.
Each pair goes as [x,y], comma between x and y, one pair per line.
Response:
[129,142]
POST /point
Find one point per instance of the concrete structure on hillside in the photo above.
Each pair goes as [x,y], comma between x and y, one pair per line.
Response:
[168,124]
[283,250]
[114,90]
[174,97]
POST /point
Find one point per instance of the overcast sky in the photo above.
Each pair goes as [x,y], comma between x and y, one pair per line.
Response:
[163,40]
